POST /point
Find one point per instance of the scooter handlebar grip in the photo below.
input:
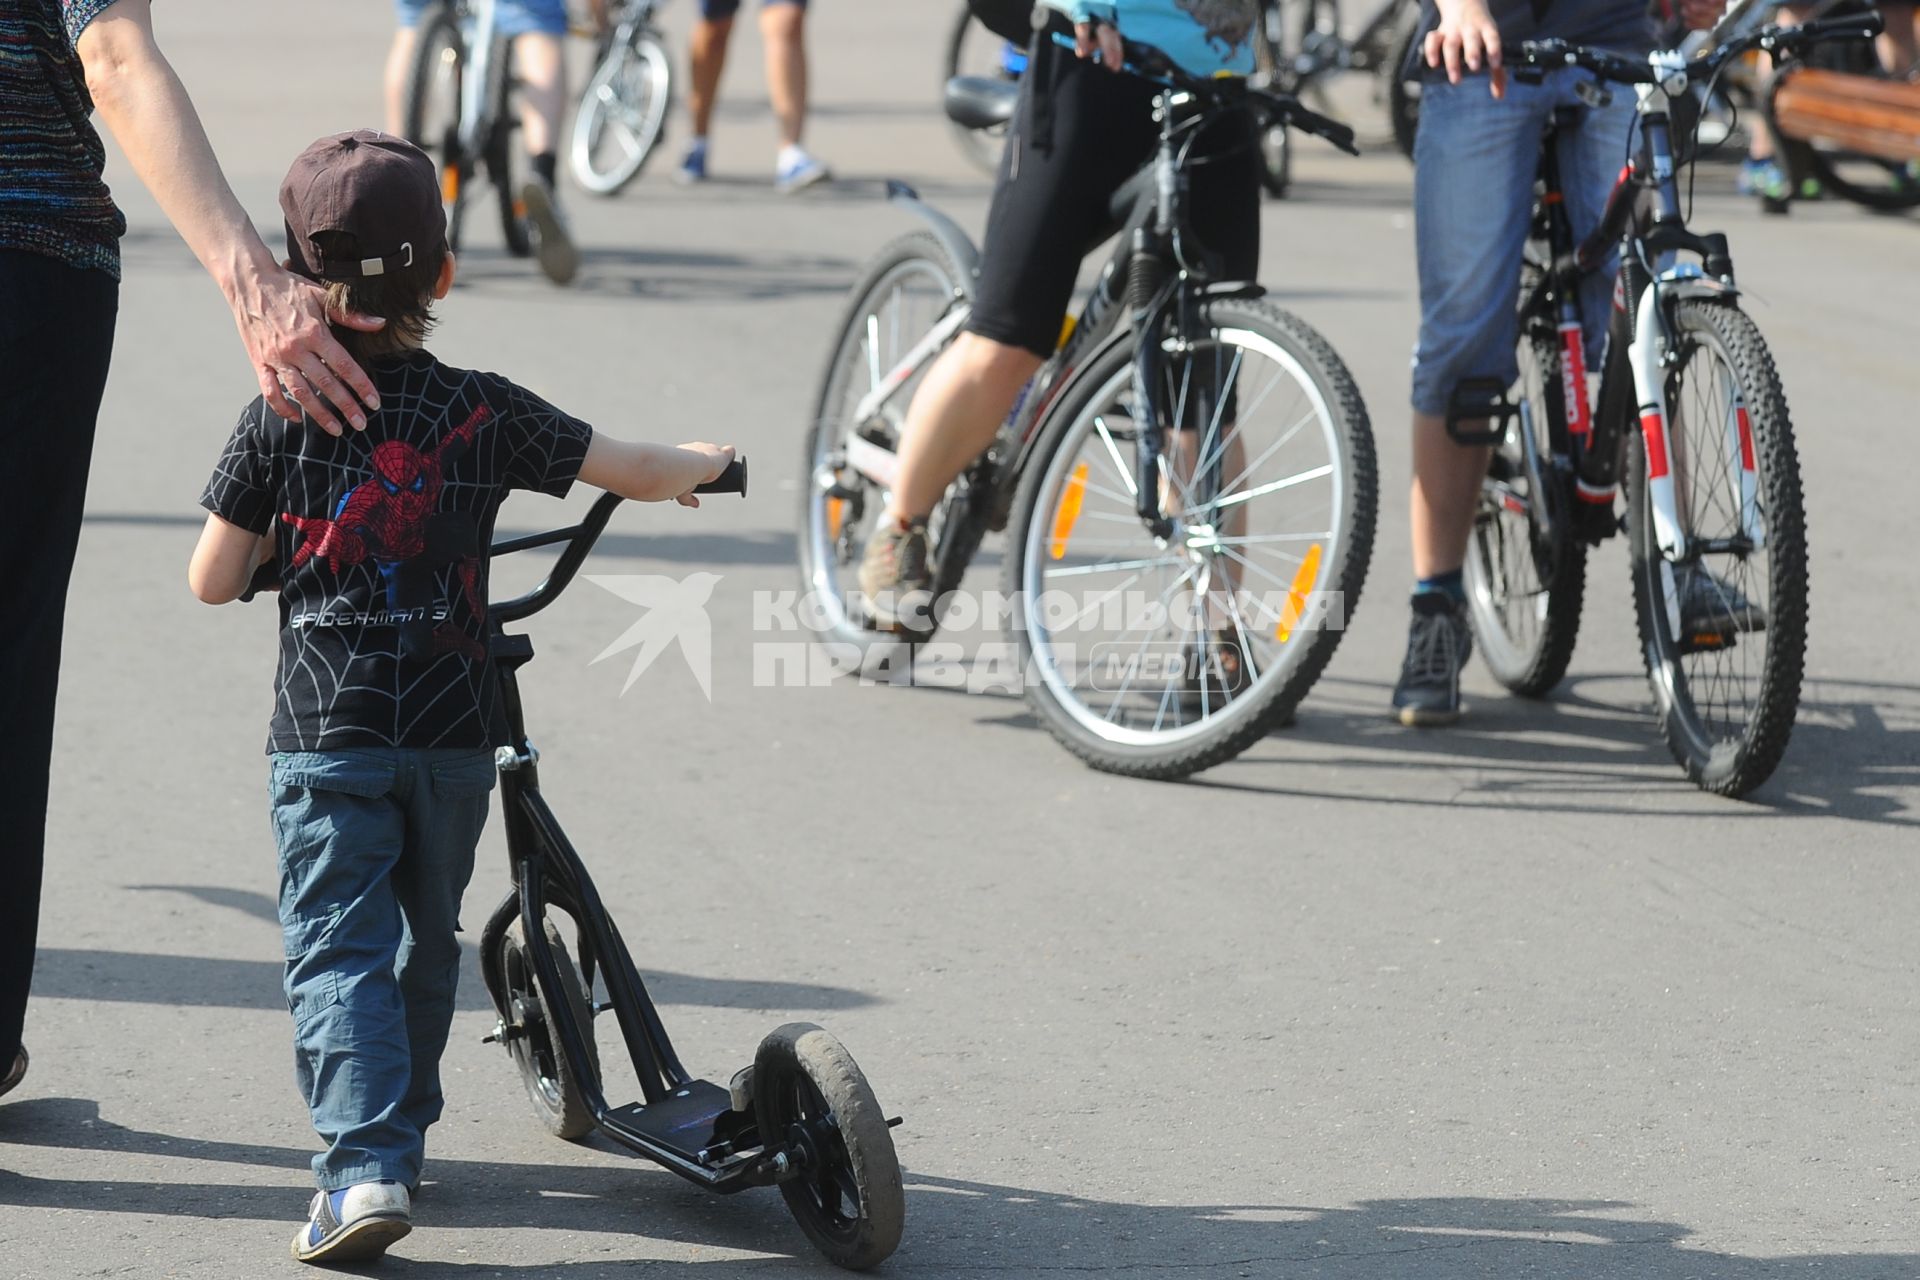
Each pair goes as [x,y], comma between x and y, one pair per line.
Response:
[732,480]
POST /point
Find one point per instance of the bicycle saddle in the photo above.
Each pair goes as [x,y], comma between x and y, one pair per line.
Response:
[981,102]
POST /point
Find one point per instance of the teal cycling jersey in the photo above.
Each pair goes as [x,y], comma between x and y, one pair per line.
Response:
[1204,37]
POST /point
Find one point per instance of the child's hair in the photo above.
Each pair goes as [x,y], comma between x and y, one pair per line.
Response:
[404,298]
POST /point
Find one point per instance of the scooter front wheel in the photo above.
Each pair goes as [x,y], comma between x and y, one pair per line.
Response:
[811,1096]
[533,1041]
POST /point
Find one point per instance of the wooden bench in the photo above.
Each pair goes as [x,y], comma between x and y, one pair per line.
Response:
[1863,114]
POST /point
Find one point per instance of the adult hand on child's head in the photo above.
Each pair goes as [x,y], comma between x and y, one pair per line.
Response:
[284,324]
[1466,40]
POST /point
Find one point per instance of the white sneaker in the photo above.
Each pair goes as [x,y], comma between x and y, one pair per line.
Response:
[796,171]
[354,1225]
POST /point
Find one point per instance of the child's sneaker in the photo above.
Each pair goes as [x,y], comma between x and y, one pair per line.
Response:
[796,171]
[354,1225]
[693,166]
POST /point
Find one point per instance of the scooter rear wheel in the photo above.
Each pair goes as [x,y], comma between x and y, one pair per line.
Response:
[532,1042]
[808,1092]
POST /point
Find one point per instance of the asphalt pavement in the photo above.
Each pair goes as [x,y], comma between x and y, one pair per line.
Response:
[1506,1000]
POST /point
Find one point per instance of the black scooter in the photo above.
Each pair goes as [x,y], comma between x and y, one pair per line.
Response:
[802,1117]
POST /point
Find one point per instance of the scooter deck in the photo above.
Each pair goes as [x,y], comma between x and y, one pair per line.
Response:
[694,1124]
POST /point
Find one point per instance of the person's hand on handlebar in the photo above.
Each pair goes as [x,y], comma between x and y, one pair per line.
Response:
[1467,40]
[652,472]
[1097,37]
[717,457]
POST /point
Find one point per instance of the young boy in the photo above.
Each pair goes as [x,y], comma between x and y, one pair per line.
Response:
[386,712]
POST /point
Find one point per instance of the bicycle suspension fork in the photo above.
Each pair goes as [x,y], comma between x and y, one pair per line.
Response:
[1148,272]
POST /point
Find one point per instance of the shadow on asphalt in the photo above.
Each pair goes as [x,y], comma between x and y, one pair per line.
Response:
[953,1225]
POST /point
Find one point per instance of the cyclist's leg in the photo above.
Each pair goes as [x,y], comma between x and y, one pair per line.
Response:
[783,29]
[1049,206]
[1762,175]
[1590,160]
[706,59]
[400,62]
[538,30]
[1900,42]
[1473,183]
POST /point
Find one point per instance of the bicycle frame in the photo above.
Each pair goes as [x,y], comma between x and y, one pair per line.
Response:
[479,23]
[685,1124]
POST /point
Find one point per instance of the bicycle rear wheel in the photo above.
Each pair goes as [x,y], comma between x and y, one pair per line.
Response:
[433,84]
[622,114]
[910,285]
[1525,585]
[1156,658]
[972,50]
[502,158]
[1723,630]
[1276,141]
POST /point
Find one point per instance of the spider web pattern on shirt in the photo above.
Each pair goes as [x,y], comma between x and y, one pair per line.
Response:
[345,676]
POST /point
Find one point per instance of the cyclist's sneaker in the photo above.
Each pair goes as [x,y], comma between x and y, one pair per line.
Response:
[1713,611]
[356,1224]
[1765,179]
[552,241]
[693,165]
[1438,646]
[796,171]
[894,575]
[16,1072]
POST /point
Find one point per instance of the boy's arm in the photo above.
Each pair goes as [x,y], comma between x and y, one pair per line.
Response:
[224,562]
[652,472]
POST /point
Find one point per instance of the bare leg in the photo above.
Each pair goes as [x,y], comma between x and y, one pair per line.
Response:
[1446,488]
[399,66]
[1900,42]
[707,57]
[955,413]
[543,90]
[783,29]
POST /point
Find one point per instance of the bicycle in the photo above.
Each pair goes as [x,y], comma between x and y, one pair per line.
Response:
[623,110]
[802,1117]
[1716,529]
[1311,49]
[461,61]
[1171,365]
[973,50]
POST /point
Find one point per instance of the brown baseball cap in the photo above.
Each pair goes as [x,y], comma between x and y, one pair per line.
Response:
[379,189]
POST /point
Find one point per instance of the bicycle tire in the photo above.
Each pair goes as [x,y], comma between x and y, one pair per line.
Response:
[1403,94]
[1532,668]
[981,147]
[1276,141]
[1269,702]
[438,36]
[500,159]
[1729,768]
[817,528]
[656,66]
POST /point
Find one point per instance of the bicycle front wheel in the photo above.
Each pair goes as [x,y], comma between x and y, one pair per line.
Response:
[1723,627]
[622,114]
[433,82]
[1157,657]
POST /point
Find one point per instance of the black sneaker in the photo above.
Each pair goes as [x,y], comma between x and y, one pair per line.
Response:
[16,1072]
[1438,646]
[894,574]
[552,241]
[1713,611]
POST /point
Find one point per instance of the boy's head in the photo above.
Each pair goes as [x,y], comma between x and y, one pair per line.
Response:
[364,218]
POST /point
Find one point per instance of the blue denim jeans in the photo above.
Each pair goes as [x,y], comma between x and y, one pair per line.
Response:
[376,848]
[1474,163]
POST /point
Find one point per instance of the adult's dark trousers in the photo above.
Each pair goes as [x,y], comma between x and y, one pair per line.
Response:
[56,337]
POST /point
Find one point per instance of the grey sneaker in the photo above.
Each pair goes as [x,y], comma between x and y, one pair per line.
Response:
[552,241]
[894,574]
[1438,646]
[1712,610]
[356,1224]
[16,1072]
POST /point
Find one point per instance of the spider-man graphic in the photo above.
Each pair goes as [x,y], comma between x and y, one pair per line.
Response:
[394,520]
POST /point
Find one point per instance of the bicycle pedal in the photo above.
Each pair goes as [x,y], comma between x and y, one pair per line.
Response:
[1708,642]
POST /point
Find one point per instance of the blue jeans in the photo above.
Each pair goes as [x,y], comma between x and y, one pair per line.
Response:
[511,18]
[1474,163]
[376,848]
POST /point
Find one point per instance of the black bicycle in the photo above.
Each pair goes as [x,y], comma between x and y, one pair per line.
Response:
[1311,48]
[801,1117]
[1714,518]
[1188,483]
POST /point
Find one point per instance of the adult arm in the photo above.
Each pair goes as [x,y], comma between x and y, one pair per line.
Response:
[282,318]
[1466,40]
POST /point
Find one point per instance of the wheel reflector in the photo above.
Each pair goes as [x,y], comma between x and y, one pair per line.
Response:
[450,184]
[836,512]
[1296,605]
[1068,513]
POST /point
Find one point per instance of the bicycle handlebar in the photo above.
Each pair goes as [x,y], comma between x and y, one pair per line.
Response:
[1539,56]
[1149,63]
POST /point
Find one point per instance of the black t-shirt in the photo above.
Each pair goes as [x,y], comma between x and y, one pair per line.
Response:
[381,538]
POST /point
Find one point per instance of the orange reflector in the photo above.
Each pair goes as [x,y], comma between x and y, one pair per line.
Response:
[1296,606]
[836,512]
[1069,513]
[1066,330]
[450,184]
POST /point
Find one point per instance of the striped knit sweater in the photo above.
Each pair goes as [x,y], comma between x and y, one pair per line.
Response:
[52,199]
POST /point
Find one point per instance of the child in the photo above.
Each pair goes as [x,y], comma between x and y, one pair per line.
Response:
[386,712]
